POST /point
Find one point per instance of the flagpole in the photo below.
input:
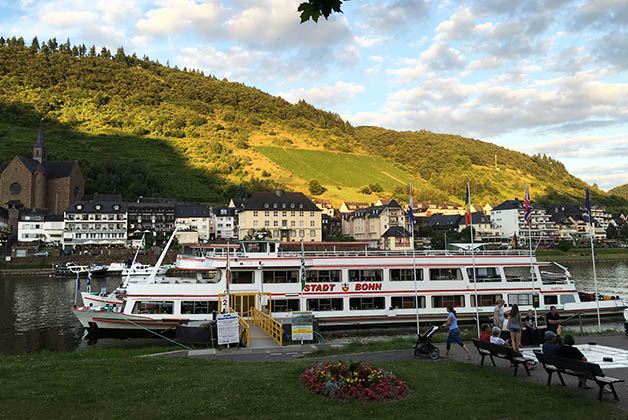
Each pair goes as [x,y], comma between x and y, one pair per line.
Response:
[475,282]
[302,279]
[591,227]
[416,292]
[532,273]
[78,286]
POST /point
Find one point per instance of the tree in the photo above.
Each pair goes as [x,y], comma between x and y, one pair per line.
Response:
[120,55]
[564,245]
[34,48]
[52,45]
[376,187]
[313,9]
[612,232]
[92,51]
[316,188]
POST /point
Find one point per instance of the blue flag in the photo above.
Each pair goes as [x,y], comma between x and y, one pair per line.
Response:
[78,281]
[89,282]
[410,212]
[588,204]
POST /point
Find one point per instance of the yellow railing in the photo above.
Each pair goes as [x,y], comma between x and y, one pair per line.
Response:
[247,330]
[271,326]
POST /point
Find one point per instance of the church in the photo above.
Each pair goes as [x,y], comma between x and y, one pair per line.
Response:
[39,183]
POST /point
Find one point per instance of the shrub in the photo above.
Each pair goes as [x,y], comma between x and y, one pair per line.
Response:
[316,188]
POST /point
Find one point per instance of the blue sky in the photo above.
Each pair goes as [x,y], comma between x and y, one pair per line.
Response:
[536,76]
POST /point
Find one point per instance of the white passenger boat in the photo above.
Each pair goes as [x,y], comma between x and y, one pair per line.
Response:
[359,286]
[145,270]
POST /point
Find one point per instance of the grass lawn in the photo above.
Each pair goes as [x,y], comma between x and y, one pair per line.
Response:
[114,384]
[583,254]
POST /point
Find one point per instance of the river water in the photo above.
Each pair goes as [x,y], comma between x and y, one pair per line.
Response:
[35,314]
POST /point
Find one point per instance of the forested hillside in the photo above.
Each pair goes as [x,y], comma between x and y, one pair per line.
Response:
[139,127]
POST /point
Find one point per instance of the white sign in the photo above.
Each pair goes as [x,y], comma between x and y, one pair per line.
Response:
[302,326]
[228,328]
[224,304]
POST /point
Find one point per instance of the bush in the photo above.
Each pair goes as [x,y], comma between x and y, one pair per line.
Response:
[316,188]
[564,245]
[365,189]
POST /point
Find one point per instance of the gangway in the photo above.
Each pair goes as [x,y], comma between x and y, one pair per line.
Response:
[258,328]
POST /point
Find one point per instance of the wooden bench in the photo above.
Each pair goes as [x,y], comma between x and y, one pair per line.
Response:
[579,368]
[503,352]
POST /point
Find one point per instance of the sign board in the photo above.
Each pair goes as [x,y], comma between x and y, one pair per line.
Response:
[224,304]
[228,328]
[302,326]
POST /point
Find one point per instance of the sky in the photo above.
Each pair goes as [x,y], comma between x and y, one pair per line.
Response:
[535,76]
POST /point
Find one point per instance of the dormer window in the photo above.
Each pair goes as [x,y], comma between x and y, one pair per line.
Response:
[266,205]
[79,207]
[283,205]
[116,207]
[98,207]
[291,205]
[274,205]
[300,205]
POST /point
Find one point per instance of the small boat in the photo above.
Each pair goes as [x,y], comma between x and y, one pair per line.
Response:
[139,269]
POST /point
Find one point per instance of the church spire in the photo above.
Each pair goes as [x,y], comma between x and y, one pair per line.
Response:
[40,150]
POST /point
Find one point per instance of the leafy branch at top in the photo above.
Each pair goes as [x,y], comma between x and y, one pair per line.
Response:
[313,9]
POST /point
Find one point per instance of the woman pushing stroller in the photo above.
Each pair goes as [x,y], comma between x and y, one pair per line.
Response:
[454,332]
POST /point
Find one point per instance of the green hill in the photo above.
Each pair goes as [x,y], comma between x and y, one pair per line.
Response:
[139,127]
[620,191]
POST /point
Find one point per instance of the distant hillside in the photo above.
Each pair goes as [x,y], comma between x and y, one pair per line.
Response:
[620,191]
[139,127]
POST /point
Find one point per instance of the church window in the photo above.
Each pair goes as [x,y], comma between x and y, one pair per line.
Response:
[15,188]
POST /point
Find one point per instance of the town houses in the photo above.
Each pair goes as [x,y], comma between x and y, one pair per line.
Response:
[42,204]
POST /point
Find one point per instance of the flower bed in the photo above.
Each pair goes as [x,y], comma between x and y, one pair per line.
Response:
[354,381]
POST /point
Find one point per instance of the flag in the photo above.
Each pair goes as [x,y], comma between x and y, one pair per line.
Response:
[588,204]
[89,282]
[410,213]
[515,244]
[527,211]
[467,207]
[302,273]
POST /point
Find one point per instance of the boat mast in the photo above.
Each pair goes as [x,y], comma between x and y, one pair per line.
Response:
[163,254]
[597,302]
[128,275]
[527,216]
[416,293]
[475,281]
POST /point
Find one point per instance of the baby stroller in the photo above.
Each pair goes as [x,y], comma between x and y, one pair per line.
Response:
[424,346]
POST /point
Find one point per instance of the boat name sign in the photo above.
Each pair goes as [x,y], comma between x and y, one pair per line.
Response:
[358,287]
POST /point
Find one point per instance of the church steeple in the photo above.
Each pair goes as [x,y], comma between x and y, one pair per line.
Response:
[40,150]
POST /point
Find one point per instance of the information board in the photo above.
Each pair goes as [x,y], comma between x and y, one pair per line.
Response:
[302,326]
[228,328]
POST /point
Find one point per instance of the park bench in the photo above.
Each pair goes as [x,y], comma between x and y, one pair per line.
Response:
[579,368]
[503,352]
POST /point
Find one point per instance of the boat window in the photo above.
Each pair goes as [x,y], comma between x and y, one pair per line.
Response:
[486,300]
[241,277]
[550,299]
[567,299]
[405,274]
[199,307]
[520,299]
[444,301]
[404,302]
[153,307]
[281,276]
[517,273]
[365,275]
[284,305]
[445,274]
[484,274]
[365,303]
[324,304]
[323,276]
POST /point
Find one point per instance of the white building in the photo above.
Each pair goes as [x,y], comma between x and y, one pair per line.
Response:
[98,221]
[225,222]
[508,220]
[37,225]
[194,218]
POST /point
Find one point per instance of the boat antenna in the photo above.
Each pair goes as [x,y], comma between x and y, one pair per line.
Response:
[128,275]
[527,215]
[475,281]
[591,228]
[163,254]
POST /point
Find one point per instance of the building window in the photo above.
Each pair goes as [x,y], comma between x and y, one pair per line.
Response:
[444,301]
[293,213]
[300,214]
[275,223]
[486,300]
[323,276]
[276,233]
[293,233]
[312,233]
[242,277]
[276,213]
[406,302]
[255,223]
[312,223]
[311,214]
[281,276]
[324,304]
[15,188]
[405,274]
[284,214]
[284,305]
[255,214]
[267,223]
[445,274]
[301,223]
[302,233]
[365,275]
[366,303]
[293,223]
[267,213]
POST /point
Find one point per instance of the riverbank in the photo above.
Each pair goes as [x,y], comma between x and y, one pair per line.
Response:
[583,254]
[55,385]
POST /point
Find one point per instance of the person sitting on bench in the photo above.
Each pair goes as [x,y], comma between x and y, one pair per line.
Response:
[568,351]
[485,335]
[496,339]
[551,344]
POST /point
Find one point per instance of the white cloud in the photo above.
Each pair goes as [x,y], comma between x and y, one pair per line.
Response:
[393,17]
[178,15]
[115,11]
[69,18]
[440,56]
[325,95]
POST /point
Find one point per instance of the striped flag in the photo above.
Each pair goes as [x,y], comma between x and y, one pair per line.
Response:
[467,207]
[302,270]
[410,213]
[527,211]
[588,204]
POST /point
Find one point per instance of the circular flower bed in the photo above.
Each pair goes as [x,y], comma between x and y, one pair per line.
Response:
[354,381]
